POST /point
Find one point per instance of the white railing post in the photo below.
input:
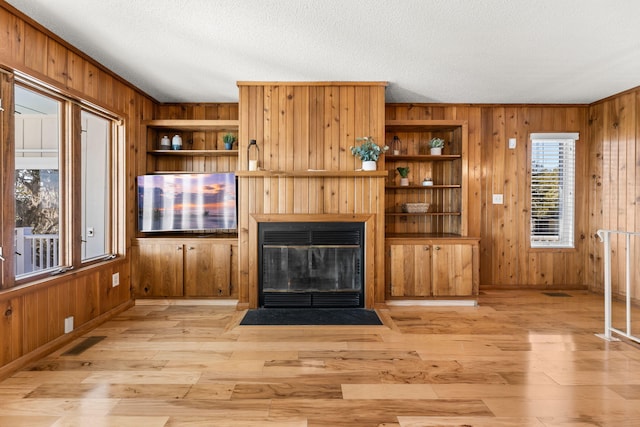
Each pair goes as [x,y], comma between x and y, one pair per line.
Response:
[605,236]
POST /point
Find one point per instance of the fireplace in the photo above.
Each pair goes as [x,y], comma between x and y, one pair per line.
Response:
[311,264]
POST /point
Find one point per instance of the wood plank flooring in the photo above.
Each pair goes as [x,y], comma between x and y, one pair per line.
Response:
[521,358]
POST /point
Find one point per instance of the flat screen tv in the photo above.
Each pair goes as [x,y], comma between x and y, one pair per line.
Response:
[197,202]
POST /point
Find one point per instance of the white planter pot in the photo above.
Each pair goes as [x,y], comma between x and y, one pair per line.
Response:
[404,182]
[436,151]
[369,165]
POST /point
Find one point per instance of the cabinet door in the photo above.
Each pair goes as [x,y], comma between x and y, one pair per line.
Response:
[158,270]
[409,270]
[452,270]
[207,269]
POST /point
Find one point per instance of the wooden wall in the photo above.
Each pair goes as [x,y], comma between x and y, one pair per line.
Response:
[505,259]
[614,183]
[32,316]
[302,126]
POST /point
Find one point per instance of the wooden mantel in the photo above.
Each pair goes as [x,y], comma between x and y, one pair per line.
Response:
[304,131]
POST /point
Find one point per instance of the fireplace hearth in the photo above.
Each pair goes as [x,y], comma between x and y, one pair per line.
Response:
[311,264]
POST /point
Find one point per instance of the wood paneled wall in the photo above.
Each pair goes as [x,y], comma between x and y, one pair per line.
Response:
[505,259]
[302,126]
[614,183]
[32,316]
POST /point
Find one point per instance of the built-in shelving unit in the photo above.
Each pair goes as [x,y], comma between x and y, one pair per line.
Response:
[201,146]
[429,254]
[446,197]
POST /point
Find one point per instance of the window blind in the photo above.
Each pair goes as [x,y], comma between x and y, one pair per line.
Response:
[552,190]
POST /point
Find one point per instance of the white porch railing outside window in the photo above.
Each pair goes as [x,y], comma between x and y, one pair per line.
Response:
[605,236]
[35,252]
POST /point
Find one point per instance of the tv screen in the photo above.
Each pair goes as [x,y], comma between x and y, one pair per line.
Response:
[198,202]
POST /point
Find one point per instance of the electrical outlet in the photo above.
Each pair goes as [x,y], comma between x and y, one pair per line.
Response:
[115,279]
[497,199]
[68,324]
[512,143]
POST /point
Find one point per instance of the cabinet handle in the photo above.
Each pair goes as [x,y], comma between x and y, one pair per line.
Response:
[178,248]
[191,248]
[437,248]
[426,248]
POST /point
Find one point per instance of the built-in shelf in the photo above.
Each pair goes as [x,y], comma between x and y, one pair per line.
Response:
[422,213]
[312,173]
[424,157]
[194,125]
[200,153]
[424,187]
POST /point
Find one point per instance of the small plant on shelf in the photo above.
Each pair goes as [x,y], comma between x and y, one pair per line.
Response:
[229,139]
[436,145]
[404,173]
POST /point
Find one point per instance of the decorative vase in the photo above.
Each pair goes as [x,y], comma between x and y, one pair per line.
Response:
[176,142]
[369,165]
[165,143]
[436,151]
[404,182]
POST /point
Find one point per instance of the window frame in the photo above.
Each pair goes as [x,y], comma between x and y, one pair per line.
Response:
[569,242]
[70,186]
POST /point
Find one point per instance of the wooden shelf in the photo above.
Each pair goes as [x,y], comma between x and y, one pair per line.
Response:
[201,153]
[312,173]
[194,125]
[422,125]
[422,187]
[423,213]
[423,157]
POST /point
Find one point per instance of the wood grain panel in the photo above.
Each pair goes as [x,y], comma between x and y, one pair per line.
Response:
[613,182]
[36,318]
[505,258]
[300,127]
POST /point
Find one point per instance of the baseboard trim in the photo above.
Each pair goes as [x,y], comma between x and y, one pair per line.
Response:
[164,301]
[48,348]
[433,303]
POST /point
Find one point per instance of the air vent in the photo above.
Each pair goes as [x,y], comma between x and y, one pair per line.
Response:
[336,237]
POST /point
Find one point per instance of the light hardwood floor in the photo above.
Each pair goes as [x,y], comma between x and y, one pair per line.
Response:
[518,359]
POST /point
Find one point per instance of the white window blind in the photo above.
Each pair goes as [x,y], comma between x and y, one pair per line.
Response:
[553,189]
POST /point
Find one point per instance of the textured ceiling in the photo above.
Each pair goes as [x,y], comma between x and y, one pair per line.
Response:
[456,51]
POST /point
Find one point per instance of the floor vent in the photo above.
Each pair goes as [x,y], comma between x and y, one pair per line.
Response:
[86,344]
[556,294]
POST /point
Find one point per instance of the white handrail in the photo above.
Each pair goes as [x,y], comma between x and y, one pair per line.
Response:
[605,236]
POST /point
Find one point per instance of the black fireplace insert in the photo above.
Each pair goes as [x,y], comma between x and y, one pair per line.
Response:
[311,264]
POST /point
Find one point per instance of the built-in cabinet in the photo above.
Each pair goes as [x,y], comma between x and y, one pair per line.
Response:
[185,267]
[432,267]
[428,253]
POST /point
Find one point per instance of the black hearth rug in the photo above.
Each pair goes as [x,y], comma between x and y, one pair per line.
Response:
[311,316]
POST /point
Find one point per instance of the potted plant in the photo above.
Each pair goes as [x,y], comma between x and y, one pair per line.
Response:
[436,145]
[229,139]
[427,182]
[369,152]
[404,173]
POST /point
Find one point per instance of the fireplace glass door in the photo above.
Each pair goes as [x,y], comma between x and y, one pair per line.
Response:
[311,264]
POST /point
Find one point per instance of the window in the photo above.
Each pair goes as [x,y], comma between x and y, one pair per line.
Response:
[95,169]
[38,127]
[65,175]
[552,190]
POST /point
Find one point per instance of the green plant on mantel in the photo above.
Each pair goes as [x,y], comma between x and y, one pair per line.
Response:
[368,150]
